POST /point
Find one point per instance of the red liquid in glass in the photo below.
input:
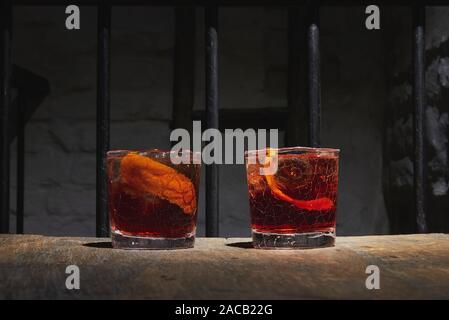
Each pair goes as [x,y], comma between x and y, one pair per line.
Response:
[302,196]
[146,215]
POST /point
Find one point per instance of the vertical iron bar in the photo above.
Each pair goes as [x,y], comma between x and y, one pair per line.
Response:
[184,67]
[103,106]
[211,17]
[314,76]
[5,101]
[419,94]
[296,133]
[20,164]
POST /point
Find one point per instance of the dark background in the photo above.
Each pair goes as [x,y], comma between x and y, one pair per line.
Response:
[366,107]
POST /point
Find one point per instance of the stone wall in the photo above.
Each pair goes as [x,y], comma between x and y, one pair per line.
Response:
[60,145]
[398,153]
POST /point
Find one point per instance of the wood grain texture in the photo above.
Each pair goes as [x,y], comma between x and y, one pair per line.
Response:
[412,267]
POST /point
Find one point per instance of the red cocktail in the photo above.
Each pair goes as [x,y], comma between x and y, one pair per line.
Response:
[152,202]
[296,205]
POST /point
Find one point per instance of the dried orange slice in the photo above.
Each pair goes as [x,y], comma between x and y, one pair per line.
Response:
[147,176]
[321,204]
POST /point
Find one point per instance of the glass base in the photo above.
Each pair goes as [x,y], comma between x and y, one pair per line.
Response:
[293,241]
[120,241]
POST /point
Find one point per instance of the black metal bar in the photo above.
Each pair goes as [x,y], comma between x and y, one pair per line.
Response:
[293,77]
[184,67]
[313,72]
[211,15]
[296,130]
[103,106]
[5,101]
[419,94]
[20,164]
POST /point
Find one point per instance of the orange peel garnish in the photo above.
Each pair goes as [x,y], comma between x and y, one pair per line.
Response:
[321,204]
[147,176]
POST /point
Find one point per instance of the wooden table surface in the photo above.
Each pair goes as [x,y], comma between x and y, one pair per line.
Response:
[411,267]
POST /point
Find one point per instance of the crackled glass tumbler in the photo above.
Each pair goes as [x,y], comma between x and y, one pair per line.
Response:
[295,206]
[152,201]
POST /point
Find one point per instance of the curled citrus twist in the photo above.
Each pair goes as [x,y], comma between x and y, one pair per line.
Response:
[146,176]
[321,204]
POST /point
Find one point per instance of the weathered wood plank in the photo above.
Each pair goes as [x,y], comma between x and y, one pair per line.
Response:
[412,267]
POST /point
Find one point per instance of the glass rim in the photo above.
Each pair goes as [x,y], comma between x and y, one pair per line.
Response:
[119,152]
[294,149]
